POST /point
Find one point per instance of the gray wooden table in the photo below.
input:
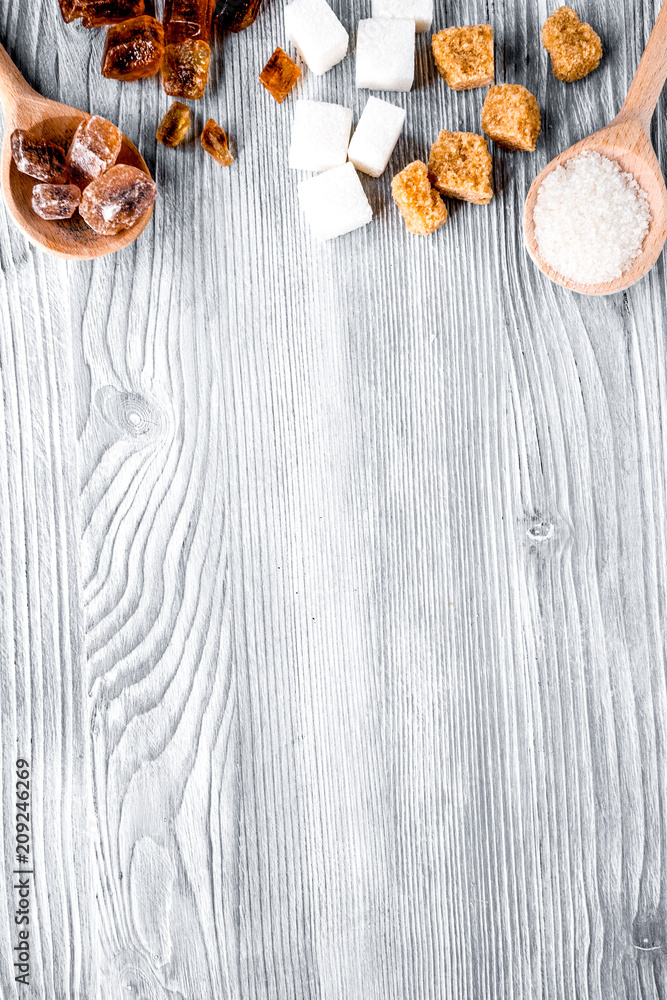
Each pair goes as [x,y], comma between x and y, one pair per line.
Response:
[333,578]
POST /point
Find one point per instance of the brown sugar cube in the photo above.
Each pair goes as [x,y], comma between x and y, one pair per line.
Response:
[214,142]
[460,166]
[511,117]
[55,201]
[575,49]
[133,50]
[95,148]
[464,56]
[421,206]
[185,69]
[117,199]
[38,158]
[172,129]
[279,75]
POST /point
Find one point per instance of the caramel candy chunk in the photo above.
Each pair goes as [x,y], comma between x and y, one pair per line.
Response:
[185,69]
[38,158]
[70,10]
[187,19]
[174,125]
[460,166]
[133,50]
[117,199]
[422,207]
[237,15]
[214,142]
[279,75]
[55,201]
[97,13]
[95,148]
[464,56]
[511,117]
[575,49]
[187,33]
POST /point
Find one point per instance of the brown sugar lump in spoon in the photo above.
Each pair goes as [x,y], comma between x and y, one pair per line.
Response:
[38,158]
[117,200]
[95,148]
[55,201]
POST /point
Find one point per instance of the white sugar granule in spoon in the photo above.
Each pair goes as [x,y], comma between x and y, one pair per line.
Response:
[591,219]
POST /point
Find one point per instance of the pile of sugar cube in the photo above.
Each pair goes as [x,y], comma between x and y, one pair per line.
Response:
[334,202]
[460,165]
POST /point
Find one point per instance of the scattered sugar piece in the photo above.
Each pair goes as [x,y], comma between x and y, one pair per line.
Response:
[334,202]
[511,117]
[376,136]
[591,219]
[421,206]
[464,56]
[386,54]
[320,136]
[460,166]
[317,34]
[420,11]
[575,48]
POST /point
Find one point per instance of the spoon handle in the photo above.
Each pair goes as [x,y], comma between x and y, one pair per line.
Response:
[13,88]
[650,77]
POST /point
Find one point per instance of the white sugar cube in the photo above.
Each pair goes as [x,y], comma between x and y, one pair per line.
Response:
[334,202]
[386,54]
[320,135]
[317,34]
[420,11]
[375,136]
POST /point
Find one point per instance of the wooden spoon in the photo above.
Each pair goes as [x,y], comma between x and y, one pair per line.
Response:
[25,109]
[627,141]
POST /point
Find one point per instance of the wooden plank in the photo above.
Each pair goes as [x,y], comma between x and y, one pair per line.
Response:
[43,699]
[372,564]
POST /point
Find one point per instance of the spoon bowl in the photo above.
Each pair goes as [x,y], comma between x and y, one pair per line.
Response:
[626,140]
[43,119]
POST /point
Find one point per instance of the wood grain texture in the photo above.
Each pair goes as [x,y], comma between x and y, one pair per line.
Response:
[356,605]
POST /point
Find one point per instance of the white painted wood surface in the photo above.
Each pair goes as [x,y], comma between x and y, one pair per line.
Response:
[333,579]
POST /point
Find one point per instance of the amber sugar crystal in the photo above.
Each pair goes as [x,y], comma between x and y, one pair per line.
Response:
[237,15]
[55,201]
[185,69]
[174,125]
[45,161]
[70,10]
[95,148]
[97,13]
[464,56]
[187,19]
[133,50]
[279,75]
[575,48]
[214,142]
[511,117]
[117,200]
[460,166]
[187,32]
[422,207]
